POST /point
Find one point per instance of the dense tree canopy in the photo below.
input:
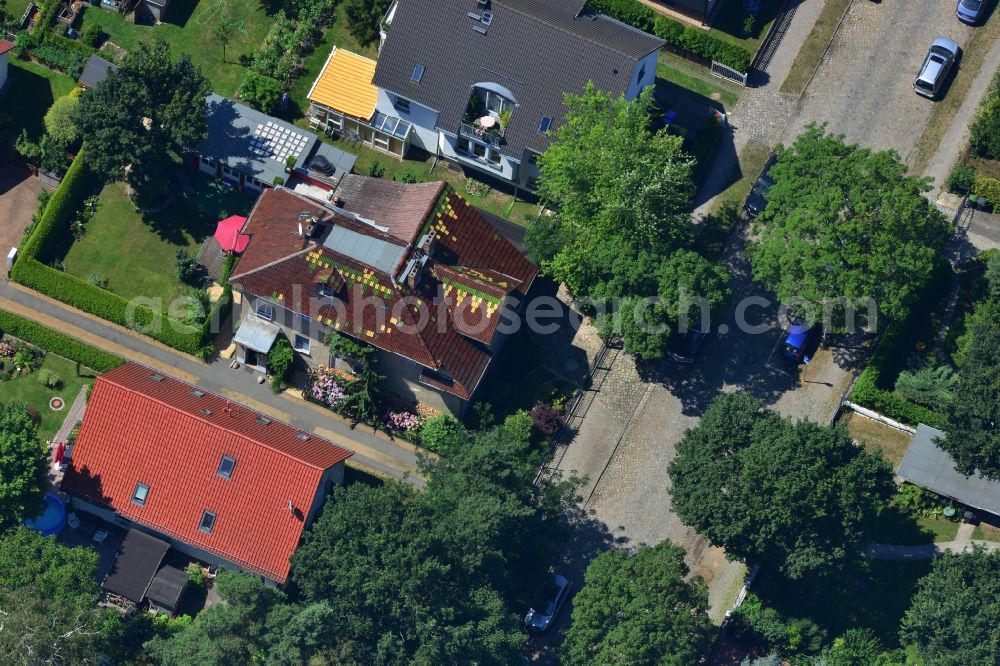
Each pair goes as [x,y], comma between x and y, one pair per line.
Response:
[48,603]
[638,609]
[954,619]
[792,494]
[973,435]
[426,577]
[622,229]
[365,18]
[23,465]
[139,121]
[845,222]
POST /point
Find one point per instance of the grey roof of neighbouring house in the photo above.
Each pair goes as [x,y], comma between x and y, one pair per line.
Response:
[928,466]
[95,71]
[537,49]
[257,144]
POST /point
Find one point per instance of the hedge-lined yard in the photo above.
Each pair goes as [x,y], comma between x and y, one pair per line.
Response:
[52,227]
[58,343]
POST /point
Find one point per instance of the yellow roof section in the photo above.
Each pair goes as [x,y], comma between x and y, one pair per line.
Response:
[345,84]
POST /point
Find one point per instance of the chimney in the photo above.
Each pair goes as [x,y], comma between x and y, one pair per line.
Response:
[338,202]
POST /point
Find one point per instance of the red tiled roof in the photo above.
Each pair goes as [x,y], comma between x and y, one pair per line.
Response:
[144,427]
[5,46]
[474,266]
[400,207]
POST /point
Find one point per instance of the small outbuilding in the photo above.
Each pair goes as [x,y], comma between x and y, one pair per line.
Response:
[137,563]
[167,590]
[95,71]
[929,466]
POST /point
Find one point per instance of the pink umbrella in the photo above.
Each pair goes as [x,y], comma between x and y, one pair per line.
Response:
[229,236]
[60,454]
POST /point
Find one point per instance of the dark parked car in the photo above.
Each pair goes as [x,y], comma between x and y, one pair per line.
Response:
[970,11]
[555,594]
[797,341]
[758,194]
[684,348]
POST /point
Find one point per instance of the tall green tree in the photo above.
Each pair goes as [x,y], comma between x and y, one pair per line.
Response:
[638,609]
[365,18]
[621,192]
[141,119]
[48,603]
[973,433]
[845,222]
[23,465]
[954,619]
[795,495]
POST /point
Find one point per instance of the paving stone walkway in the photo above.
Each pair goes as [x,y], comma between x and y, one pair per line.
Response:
[963,543]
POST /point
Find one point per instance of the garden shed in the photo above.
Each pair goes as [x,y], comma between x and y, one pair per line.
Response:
[929,466]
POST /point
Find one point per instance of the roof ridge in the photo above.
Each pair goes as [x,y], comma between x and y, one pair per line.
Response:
[576,34]
[270,264]
[257,442]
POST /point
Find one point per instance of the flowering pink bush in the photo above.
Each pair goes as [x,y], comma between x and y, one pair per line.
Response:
[326,390]
[403,421]
[7,351]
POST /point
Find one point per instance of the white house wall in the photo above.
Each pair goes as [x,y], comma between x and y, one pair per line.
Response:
[649,78]
[424,119]
[507,168]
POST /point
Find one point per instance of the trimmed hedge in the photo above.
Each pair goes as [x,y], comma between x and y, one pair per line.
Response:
[678,36]
[32,273]
[988,188]
[57,343]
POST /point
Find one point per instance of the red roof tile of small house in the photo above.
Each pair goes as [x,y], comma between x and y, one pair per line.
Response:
[474,265]
[142,426]
[5,46]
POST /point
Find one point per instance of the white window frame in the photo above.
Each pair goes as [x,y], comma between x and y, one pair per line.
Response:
[221,472]
[380,140]
[201,523]
[264,309]
[300,348]
[402,105]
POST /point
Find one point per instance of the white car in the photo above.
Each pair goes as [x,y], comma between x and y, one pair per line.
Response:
[937,65]
[556,592]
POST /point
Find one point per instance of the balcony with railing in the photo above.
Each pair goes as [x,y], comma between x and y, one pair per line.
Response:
[486,117]
[492,136]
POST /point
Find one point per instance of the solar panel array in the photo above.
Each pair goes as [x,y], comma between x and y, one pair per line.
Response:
[277,141]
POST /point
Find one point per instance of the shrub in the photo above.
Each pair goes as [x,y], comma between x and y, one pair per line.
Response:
[60,208]
[260,91]
[93,36]
[376,170]
[917,501]
[59,120]
[50,379]
[442,433]
[97,280]
[988,188]
[57,343]
[280,358]
[71,62]
[406,176]
[931,387]
[546,419]
[984,131]
[195,575]
[186,266]
[961,179]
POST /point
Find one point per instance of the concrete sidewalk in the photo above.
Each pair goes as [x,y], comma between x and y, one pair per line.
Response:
[375,452]
[962,543]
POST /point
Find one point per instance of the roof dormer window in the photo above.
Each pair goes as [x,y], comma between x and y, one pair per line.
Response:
[418,73]
[226,466]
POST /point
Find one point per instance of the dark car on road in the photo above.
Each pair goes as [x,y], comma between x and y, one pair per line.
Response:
[797,341]
[684,347]
[554,596]
[758,194]
[970,11]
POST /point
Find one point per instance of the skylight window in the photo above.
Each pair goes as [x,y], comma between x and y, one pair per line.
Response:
[207,523]
[156,377]
[140,494]
[226,466]
[543,126]
[418,73]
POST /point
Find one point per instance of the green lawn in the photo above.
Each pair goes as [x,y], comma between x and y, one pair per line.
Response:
[27,389]
[899,527]
[874,595]
[728,24]
[694,82]
[189,29]
[135,253]
[30,92]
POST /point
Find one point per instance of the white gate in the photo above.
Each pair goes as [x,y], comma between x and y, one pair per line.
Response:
[727,72]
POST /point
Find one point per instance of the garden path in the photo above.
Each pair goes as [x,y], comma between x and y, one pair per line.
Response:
[962,543]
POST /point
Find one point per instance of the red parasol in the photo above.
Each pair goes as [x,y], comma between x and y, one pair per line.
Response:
[229,236]
[60,454]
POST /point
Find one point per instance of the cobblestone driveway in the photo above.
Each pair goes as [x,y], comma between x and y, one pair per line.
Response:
[864,86]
